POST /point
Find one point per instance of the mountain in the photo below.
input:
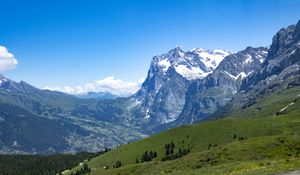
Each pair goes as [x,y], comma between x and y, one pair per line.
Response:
[98,95]
[163,93]
[283,56]
[24,132]
[205,96]
[280,71]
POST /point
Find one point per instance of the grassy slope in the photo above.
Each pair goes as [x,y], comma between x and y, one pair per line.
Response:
[270,104]
[261,153]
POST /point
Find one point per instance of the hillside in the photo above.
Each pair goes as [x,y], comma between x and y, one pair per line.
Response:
[264,143]
[43,121]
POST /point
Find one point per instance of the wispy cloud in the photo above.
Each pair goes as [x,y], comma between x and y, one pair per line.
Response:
[7,60]
[108,84]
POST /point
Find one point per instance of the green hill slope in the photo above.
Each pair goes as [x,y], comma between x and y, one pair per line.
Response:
[260,155]
[266,142]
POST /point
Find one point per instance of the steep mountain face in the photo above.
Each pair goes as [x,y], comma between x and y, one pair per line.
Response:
[207,95]
[280,71]
[162,95]
[283,53]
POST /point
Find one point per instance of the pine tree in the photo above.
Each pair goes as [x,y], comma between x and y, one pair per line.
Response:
[155,154]
[151,154]
[118,164]
[172,145]
[180,152]
[86,168]
[167,152]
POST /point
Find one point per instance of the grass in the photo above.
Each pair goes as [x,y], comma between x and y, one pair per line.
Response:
[259,155]
[251,156]
[271,143]
[268,105]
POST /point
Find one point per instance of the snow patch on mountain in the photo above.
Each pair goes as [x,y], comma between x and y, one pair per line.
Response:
[134,103]
[248,60]
[3,81]
[147,114]
[241,75]
[286,107]
[191,73]
[15,144]
[165,64]
[261,60]
[211,59]
[261,56]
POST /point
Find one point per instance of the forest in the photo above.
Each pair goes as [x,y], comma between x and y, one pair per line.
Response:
[41,165]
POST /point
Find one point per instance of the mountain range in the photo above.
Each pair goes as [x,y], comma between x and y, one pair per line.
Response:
[97,95]
[182,87]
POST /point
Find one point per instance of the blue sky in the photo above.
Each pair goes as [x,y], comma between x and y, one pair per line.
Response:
[73,42]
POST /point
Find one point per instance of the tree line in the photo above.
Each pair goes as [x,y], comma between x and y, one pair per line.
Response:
[170,153]
[149,155]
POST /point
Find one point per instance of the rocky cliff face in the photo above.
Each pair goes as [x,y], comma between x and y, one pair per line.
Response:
[283,53]
[207,95]
[281,70]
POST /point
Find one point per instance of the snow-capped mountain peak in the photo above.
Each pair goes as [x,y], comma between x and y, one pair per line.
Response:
[211,58]
[194,64]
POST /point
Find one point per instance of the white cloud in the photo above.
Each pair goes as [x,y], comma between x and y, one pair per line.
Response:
[7,60]
[108,84]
